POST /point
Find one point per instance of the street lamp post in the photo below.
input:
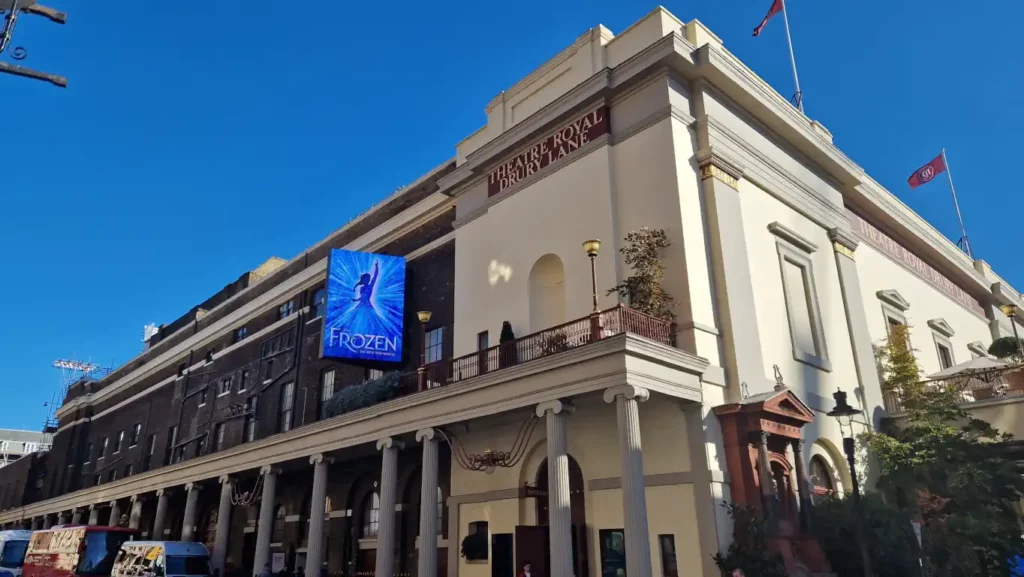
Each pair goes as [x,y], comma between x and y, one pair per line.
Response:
[844,414]
[424,317]
[592,246]
[1011,312]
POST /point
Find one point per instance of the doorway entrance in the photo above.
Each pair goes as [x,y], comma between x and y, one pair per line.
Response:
[578,512]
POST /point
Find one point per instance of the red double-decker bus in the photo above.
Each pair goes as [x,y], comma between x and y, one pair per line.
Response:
[74,551]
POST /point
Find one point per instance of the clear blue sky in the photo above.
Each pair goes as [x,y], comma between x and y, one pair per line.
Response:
[198,139]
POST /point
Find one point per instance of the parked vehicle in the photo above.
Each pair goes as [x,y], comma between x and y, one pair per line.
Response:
[162,559]
[74,551]
[13,545]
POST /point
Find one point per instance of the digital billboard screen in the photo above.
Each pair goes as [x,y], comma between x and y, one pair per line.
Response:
[365,306]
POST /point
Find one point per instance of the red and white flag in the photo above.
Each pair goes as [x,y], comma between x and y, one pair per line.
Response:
[775,9]
[927,172]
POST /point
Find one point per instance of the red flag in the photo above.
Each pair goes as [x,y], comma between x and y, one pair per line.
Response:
[927,172]
[775,9]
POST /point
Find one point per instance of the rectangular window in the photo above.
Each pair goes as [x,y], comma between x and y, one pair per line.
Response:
[181,369]
[224,387]
[136,433]
[218,437]
[249,427]
[98,480]
[269,374]
[434,345]
[147,459]
[103,447]
[284,420]
[669,566]
[239,334]
[88,453]
[202,397]
[128,470]
[112,475]
[613,552]
[945,355]
[319,302]
[483,341]
[286,310]
[326,390]
[172,440]
[243,380]
[374,374]
[805,326]
[120,441]
[200,446]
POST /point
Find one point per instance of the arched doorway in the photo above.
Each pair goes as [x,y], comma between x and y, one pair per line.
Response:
[547,293]
[821,477]
[577,508]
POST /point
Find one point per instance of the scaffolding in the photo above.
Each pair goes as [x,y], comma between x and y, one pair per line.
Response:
[71,372]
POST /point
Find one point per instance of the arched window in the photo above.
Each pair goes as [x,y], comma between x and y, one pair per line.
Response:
[277,535]
[547,293]
[821,476]
[371,515]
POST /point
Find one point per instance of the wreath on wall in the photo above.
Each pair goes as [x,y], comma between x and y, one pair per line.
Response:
[474,547]
[364,395]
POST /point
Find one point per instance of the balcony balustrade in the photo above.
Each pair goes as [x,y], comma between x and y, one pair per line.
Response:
[971,387]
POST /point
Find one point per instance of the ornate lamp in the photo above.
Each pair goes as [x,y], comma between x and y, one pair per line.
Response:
[844,414]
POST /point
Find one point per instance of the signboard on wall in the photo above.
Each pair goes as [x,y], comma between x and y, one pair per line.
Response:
[365,306]
[550,150]
[901,254]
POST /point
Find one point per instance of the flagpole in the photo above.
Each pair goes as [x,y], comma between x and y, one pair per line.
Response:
[792,60]
[963,243]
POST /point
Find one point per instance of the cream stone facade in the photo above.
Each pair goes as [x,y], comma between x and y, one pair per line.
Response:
[631,431]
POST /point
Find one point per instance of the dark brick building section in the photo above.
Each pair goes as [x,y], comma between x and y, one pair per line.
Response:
[241,395]
[22,481]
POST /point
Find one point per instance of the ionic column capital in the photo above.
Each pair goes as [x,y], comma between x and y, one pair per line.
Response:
[320,458]
[193,486]
[135,498]
[389,443]
[424,435]
[270,470]
[225,480]
[628,391]
[555,407]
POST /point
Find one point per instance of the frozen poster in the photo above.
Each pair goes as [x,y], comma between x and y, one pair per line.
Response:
[365,306]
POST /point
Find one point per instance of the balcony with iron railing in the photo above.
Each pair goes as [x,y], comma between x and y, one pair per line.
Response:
[553,341]
[972,388]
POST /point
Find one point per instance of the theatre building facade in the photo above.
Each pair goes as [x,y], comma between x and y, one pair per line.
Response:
[531,415]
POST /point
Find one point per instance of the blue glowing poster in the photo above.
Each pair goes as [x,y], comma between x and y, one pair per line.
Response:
[365,306]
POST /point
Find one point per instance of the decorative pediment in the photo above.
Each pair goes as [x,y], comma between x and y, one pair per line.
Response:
[942,327]
[978,348]
[787,404]
[779,406]
[894,299]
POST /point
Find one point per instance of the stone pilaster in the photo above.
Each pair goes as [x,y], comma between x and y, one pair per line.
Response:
[220,546]
[315,548]
[844,244]
[160,519]
[266,522]
[764,473]
[388,494]
[188,524]
[94,515]
[803,484]
[559,510]
[428,503]
[37,523]
[634,497]
[135,513]
[76,518]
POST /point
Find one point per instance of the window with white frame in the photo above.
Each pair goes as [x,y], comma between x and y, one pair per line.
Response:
[374,374]
[894,307]
[218,437]
[326,390]
[120,441]
[224,387]
[434,345]
[287,408]
[243,380]
[136,434]
[941,333]
[807,334]
[249,424]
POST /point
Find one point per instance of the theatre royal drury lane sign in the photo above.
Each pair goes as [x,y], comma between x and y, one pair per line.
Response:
[558,145]
[895,250]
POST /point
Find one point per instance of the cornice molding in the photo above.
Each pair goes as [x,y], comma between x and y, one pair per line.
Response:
[894,299]
[844,238]
[942,327]
[792,237]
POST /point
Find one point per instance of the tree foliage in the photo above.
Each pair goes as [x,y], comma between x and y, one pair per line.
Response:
[749,550]
[890,537]
[1005,348]
[643,252]
[949,470]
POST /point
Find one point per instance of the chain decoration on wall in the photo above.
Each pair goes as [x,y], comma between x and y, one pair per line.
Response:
[489,460]
[247,498]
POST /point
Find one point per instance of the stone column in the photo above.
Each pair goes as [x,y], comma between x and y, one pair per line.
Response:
[803,484]
[764,473]
[135,513]
[634,497]
[160,519]
[37,523]
[115,512]
[188,525]
[844,244]
[62,518]
[734,289]
[265,528]
[428,504]
[388,493]
[220,547]
[559,510]
[76,517]
[317,501]
[94,515]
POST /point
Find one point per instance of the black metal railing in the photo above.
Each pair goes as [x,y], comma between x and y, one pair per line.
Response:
[971,386]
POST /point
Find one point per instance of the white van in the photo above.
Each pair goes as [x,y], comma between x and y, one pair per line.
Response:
[162,559]
[13,545]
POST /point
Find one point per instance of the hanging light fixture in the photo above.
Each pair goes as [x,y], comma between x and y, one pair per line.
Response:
[489,460]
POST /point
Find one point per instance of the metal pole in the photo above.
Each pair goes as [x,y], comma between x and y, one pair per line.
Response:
[1013,322]
[792,60]
[964,244]
[593,280]
[849,446]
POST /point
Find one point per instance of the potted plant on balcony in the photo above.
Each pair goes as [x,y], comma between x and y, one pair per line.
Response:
[364,395]
[507,354]
[644,253]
